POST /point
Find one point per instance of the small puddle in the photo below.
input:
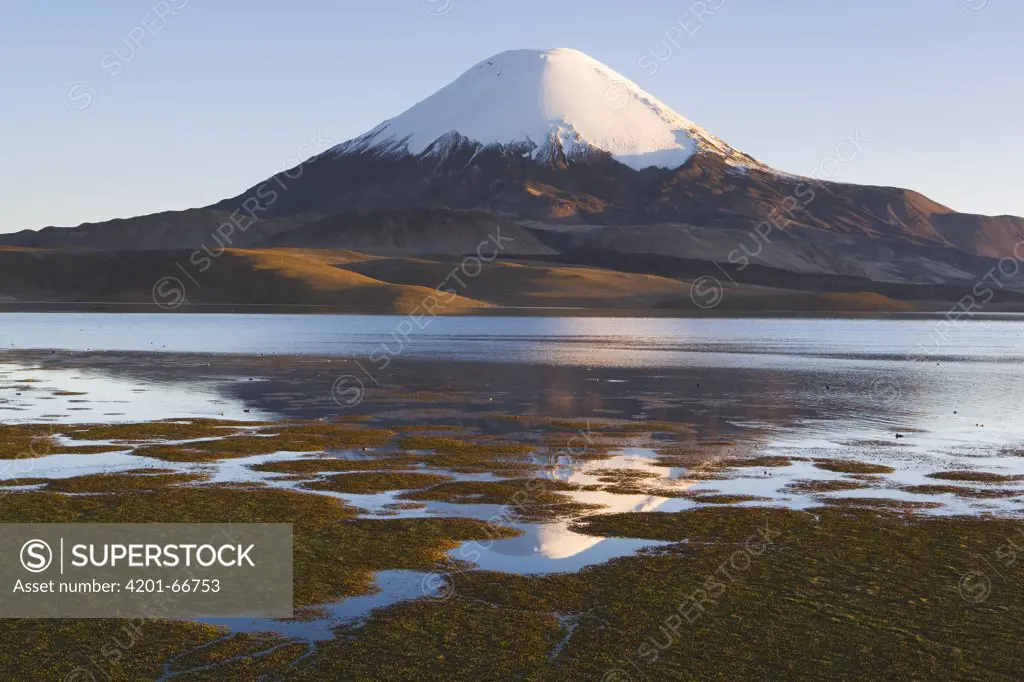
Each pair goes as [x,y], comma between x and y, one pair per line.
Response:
[393,587]
[546,548]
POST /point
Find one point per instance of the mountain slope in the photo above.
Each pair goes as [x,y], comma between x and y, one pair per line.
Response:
[554,139]
[281,277]
[422,232]
[297,281]
[188,229]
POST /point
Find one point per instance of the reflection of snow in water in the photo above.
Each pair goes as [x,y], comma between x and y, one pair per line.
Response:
[554,547]
[582,471]
[547,548]
[954,415]
[953,422]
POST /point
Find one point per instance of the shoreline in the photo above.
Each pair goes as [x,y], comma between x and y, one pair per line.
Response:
[36,308]
[555,507]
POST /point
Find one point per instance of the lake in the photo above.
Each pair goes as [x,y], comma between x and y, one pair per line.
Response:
[914,396]
[956,387]
[605,341]
[851,375]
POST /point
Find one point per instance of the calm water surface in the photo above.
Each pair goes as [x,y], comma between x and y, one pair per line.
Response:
[799,388]
[612,342]
[957,385]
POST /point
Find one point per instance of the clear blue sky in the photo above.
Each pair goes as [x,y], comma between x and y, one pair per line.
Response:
[226,92]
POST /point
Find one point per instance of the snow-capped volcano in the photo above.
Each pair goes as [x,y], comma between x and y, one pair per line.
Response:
[536,102]
[548,147]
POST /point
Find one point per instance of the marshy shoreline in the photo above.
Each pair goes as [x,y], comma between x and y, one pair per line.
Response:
[497,520]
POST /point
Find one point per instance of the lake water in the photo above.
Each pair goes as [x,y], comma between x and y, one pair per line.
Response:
[799,388]
[959,385]
[606,342]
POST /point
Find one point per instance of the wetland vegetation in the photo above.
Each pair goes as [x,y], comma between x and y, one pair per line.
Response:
[760,565]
